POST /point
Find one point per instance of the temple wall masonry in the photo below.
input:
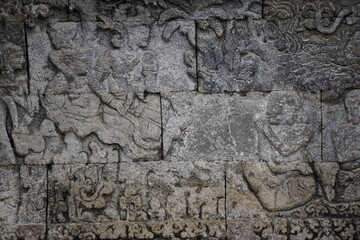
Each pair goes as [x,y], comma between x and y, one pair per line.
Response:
[179,119]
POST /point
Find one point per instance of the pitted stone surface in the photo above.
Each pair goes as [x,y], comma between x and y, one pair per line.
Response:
[173,119]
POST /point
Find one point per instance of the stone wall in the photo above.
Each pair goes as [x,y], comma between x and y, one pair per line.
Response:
[174,119]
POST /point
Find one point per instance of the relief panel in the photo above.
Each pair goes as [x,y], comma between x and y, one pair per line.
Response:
[111,58]
[302,190]
[79,128]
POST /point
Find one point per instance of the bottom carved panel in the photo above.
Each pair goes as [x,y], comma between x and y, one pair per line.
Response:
[294,229]
[23,232]
[139,230]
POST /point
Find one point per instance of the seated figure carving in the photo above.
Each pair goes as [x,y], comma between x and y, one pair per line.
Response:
[283,178]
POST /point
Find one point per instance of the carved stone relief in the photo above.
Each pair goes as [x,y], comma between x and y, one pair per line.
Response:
[175,119]
[299,45]
[339,170]
[294,229]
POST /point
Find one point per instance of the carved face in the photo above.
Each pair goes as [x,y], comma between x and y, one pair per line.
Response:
[352,104]
[318,14]
[281,109]
[62,35]
[139,35]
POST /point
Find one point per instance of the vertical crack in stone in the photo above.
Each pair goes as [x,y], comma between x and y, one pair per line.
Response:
[27,59]
[196,57]
[48,166]
[162,130]
[321,125]
[225,182]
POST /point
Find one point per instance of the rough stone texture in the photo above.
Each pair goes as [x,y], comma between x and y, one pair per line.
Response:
[164,10]
[341,148]
[174,119]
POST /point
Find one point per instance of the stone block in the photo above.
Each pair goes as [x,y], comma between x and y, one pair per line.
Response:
[315,190]
[274,127]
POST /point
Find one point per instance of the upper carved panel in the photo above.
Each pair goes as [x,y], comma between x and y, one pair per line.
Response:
[300,45]
[164,10]
[23,195]
[112,58]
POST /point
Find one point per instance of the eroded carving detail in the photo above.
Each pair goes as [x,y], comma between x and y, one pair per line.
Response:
[341,178]
[284,179]
[291,49]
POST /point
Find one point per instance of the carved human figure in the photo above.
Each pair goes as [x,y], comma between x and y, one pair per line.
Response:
[283,179]
[87,96]
[346,140]
[73,62]
[11,96]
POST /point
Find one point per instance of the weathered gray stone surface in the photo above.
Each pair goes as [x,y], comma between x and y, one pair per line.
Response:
[32,11]
[276,127]
[172,119]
